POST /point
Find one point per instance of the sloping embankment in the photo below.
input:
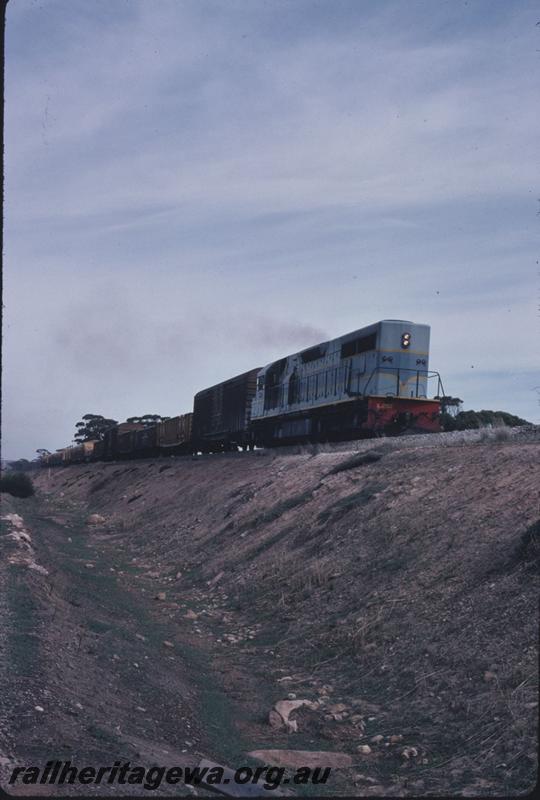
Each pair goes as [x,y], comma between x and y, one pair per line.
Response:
[399,587]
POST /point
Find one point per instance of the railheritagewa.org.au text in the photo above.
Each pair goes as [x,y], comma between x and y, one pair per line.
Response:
[58,773]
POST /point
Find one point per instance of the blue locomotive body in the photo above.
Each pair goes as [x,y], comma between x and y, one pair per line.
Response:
[323,392]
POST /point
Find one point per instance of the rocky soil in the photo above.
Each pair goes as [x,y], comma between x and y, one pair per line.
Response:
[375,600]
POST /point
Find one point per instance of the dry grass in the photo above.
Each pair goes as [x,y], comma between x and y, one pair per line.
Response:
[358,460]
[294,579]
[500,433]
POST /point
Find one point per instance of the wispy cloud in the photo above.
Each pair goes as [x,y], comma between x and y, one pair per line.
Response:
[197,186]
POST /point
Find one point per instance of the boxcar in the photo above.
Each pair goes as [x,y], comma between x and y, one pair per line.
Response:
[76,454]
[89,448]
[222,413]
[98,451]
[68,455]
[119,440]
[127,442]
[174,435]
[56,459]
[65,456]
[109,443]
[145,441]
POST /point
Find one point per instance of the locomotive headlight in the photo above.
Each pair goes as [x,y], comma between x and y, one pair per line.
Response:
[405,340]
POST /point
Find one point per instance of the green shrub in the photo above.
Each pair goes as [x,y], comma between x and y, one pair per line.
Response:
[448,422]
[21,465]
[19,484]
[467,420]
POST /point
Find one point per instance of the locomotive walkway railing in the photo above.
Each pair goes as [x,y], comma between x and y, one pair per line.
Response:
[419,379]
[326,385]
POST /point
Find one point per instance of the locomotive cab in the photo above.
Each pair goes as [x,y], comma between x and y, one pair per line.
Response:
[403,360]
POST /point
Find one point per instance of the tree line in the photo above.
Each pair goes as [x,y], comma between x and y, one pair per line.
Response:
[92,427]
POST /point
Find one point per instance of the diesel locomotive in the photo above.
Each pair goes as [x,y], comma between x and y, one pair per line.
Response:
[372,381]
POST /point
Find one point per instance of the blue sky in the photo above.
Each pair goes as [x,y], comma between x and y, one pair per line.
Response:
[196,188]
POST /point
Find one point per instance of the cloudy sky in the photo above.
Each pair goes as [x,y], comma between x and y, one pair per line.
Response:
[197,187]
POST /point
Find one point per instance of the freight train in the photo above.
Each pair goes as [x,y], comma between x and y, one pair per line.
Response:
[369,382]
